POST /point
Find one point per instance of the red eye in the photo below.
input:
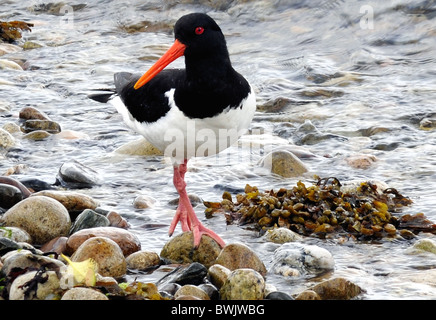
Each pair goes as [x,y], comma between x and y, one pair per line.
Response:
[199,30]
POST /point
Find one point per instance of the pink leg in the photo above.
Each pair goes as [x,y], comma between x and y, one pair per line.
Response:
[181,213]
[194,224]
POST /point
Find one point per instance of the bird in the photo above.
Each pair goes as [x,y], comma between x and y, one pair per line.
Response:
[193,112]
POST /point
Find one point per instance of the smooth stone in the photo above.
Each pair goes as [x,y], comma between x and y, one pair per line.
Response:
[282,235]
[37,289]
[15,234]
[9,196]
[127,241]
[37,135]
[6,139]
[193,273]
[29,45]
[12,128]
[23,259]
[139,147]
[361,161]
[238,256]
[73,201]
[169,287]
[8,64]
[44,125]
[106,253]
[295,259]
[57,245]
[42,217]
[284,164]
[427,245]
[6,48]
[142,260]
[180,249]
[308,295]
[143,202]
[278,295]
[218,274]
[31,113]
[73,174]
[337,289]
[13,182]
[243,284]
[89,219]
[116,220]
[211,290]
[79,293]
[36,185]
[191,290]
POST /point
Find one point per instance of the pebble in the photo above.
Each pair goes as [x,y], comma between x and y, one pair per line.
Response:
[12,128]
[361,161]
[15,234]
[30,286]
[237,256]
[278,295]
[57,245]
[6,139]
[180,249]
[116,220]
[6,48]
[89,219]
[31,113]
[296,259]
[308,295]
[282,235]
[9,196]
[284,164]
[11,181]
[106,253]
[193,273]
[337,289]
[79,293]
[42,217]
[8,64]
[73,174]
[243,284]
[72,201]
[427,245]
[127,241]
[37,135]
[143,202]
[139,147]
[43,125]
[218,274]
[142,260]
[191,290]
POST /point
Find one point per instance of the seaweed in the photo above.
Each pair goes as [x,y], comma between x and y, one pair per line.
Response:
[11,31]
[324,209]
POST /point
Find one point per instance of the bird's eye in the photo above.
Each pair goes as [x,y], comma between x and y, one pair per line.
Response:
[199,30]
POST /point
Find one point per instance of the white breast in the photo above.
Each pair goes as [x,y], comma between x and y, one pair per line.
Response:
[182,138]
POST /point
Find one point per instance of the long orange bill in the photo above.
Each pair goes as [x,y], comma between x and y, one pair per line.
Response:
[177,50]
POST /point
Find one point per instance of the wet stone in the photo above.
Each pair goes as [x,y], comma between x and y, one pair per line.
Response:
[31,113]
[89,219]
[79,293]
[191,290]
[6,139]
[57,245]
[284,163]
[44,125]
[237,256]
[193,273]
[37,135]
[278,295]
[218,274]
[106,253]
[308,295]
[243,284]
[142,260]
[9,196]
[337,289]
[42,217]
[45,284]
[72,201]
[296,259]
[15,234]
[282,235]
[139,147]
[127,241]
[180,249]
[73,174]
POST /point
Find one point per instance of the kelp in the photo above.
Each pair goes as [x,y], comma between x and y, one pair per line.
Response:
[323,209]
[11,31]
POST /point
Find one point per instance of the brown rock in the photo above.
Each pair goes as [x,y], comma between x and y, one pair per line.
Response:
[29,113]
[237,256]
[106,253]
[308,295]
[126,240]
[73,201]
[337,289]
[141,260]
[180,249]
[57,245]
[191,290]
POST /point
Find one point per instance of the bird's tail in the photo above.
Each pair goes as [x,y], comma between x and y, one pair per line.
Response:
[102,95]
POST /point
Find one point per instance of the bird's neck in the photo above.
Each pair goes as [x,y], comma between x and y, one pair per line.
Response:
[211,68]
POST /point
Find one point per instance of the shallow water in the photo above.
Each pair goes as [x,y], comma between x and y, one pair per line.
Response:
[359,74]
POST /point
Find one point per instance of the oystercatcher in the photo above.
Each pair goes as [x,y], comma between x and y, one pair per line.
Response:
[197,111]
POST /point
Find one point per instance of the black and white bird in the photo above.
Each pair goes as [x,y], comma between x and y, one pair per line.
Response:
[197,111]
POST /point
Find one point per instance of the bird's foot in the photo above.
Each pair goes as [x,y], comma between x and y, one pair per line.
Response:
[198,230]
[182,217]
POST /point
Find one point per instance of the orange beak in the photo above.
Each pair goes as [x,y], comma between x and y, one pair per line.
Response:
[177,50]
